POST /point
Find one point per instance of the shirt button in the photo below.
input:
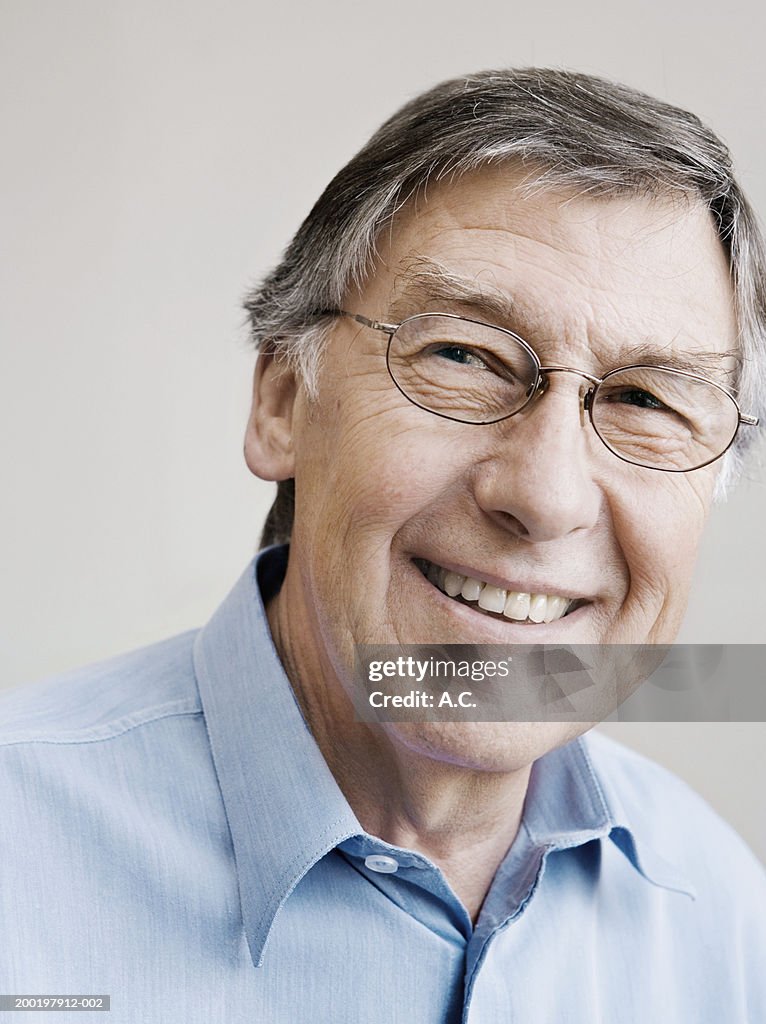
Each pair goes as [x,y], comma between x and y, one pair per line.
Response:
[380,862]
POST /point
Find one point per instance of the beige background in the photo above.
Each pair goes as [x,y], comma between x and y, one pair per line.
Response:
[156,159]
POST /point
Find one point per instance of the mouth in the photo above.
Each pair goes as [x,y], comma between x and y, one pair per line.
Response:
[520,607]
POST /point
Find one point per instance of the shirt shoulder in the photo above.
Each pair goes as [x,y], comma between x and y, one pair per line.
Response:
[85,753]
[104,699]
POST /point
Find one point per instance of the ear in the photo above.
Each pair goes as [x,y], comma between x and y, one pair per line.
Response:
[269,436]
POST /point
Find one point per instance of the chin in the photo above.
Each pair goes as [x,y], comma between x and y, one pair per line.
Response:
[484,746]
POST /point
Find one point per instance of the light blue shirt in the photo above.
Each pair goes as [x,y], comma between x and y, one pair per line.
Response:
[171,836]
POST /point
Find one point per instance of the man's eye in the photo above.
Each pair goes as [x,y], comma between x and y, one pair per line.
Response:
[638,397]
[459,354]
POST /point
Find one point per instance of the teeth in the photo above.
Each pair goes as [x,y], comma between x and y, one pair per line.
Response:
[492,599]
[517,606]
[471,589]
[453,583]
[514,605]
[538,606]
[556,608]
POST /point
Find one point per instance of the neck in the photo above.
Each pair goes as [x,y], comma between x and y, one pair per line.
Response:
[462,818]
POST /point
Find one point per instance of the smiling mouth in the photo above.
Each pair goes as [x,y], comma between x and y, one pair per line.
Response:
[517,606]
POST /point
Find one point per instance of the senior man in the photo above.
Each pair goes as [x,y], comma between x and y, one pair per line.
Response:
[504,365]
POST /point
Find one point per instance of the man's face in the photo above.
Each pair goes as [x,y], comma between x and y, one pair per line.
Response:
[534,504]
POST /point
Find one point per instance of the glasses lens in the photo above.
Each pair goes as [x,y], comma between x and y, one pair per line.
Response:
[461,369]
[663,418]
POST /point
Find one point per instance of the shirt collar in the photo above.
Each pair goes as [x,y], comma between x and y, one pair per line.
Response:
[571,802]
[285,809]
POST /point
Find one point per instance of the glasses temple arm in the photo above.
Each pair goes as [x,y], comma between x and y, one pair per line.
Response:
[376,325]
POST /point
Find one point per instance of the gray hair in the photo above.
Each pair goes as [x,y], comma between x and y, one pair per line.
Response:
[569,131]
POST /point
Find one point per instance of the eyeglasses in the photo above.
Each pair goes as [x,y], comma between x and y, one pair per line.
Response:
[465,370]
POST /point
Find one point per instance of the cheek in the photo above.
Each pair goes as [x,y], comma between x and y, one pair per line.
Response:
[659,531]
[361,476]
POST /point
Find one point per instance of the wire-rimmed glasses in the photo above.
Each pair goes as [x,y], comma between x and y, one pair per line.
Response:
[461,369]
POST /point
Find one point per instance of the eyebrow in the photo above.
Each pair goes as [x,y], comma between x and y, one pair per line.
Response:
[424,281]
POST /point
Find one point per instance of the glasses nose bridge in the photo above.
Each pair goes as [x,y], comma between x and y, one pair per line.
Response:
[586,393]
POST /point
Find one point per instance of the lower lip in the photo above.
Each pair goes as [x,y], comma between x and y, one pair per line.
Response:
[504,630]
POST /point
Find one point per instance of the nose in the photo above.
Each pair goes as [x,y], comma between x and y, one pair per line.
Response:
[540,481]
